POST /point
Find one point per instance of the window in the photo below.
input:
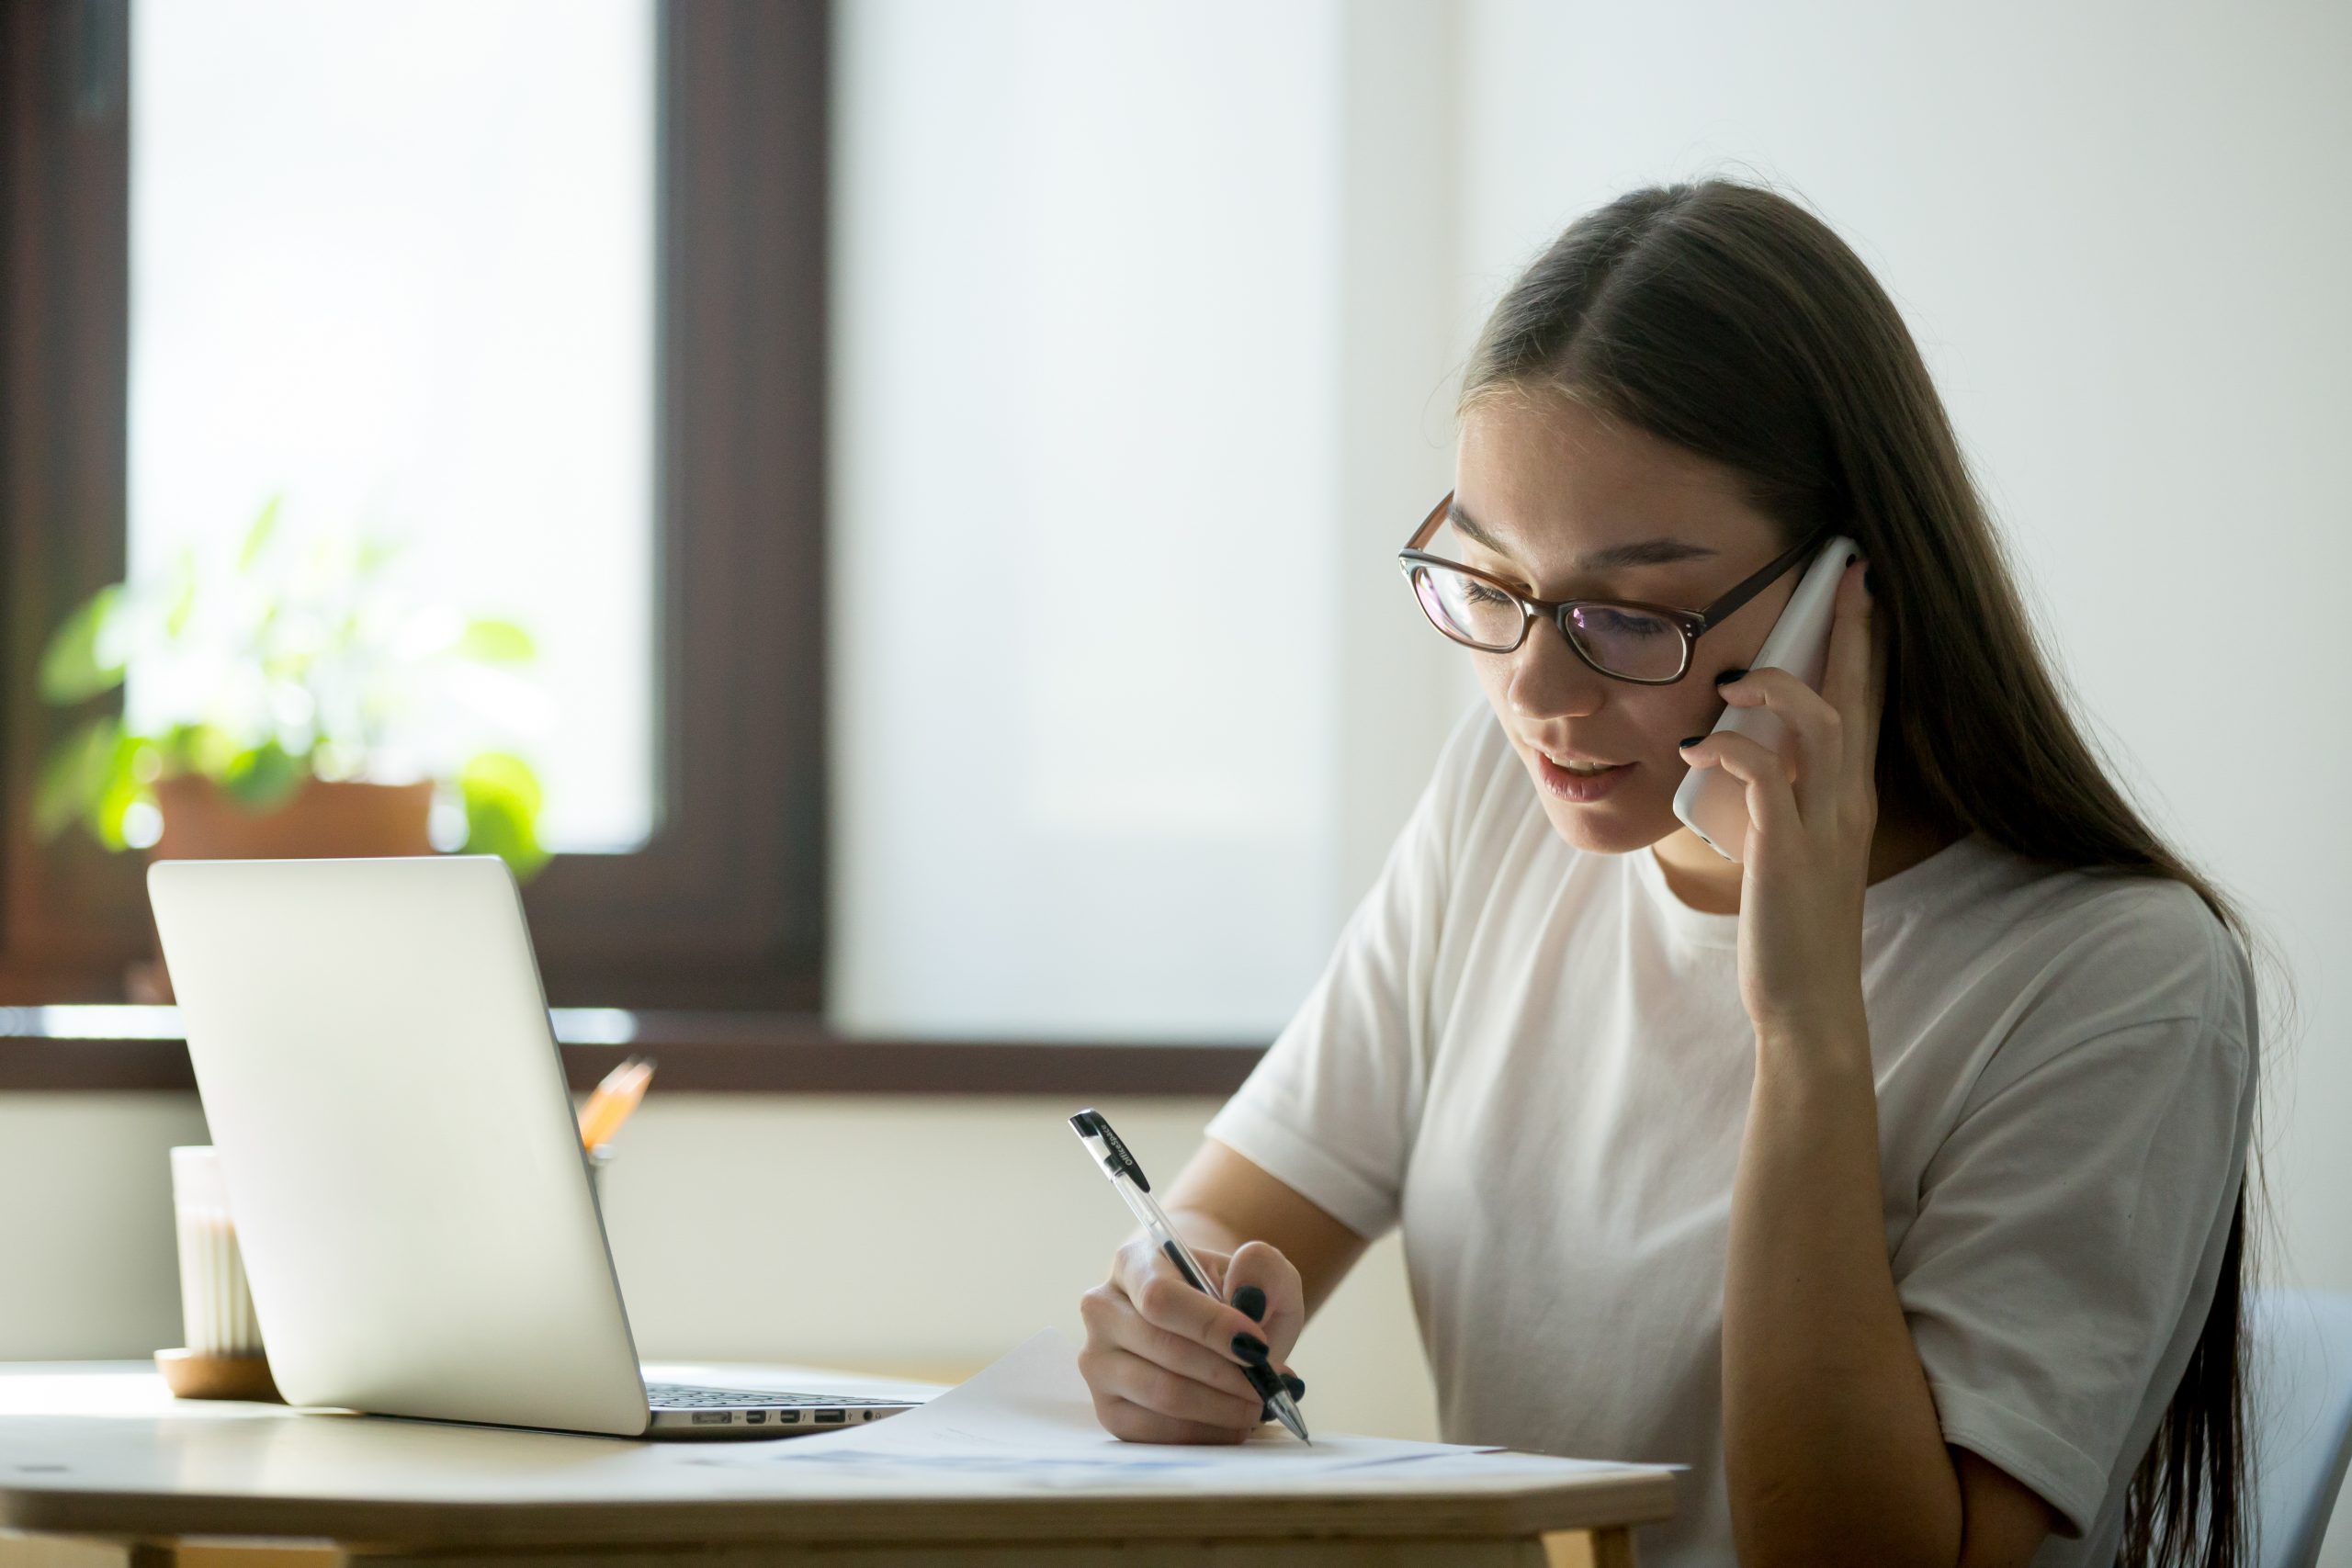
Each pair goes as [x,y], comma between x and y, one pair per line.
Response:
[1088,257]
[697,878]
[1113,300]
[395,265]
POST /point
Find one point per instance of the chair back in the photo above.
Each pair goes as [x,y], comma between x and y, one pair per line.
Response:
[2302,1380]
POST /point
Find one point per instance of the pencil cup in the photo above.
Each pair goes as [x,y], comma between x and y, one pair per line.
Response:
[216,1304]
[598,1159]
[222,1358]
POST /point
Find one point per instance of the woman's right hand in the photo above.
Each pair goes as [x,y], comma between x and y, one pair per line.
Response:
[1163,1361]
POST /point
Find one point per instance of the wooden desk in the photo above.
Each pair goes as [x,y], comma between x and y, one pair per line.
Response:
[101,1468]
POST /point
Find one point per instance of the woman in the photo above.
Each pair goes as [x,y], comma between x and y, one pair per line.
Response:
[1891,1180]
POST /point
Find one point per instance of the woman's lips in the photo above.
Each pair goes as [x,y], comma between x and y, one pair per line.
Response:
[1580,788]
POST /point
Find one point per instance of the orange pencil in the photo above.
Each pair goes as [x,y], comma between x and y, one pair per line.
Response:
[593,1112]
[614,1099]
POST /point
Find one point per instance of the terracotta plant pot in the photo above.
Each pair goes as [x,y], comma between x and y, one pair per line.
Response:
[321,820]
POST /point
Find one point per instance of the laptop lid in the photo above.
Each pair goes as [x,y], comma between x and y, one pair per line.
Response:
[372,1047]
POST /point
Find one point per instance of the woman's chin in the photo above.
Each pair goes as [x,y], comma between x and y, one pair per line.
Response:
[1611,827]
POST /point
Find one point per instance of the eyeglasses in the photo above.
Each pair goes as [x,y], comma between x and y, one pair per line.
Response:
[1647,644]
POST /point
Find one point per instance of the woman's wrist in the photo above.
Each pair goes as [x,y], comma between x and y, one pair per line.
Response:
[1813,1076]
[1833,1040]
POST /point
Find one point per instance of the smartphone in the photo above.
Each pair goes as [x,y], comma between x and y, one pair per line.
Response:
[1711,802]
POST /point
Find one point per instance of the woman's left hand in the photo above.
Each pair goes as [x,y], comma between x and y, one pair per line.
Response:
[1811,809]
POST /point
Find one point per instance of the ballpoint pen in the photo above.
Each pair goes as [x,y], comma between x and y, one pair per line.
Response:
[1127,1176]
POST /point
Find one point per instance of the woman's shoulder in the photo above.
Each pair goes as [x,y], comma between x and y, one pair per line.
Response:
[2132,944]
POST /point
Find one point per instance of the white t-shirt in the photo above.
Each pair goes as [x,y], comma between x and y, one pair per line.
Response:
[1535,1060]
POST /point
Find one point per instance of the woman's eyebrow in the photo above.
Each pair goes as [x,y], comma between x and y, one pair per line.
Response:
[1661,551]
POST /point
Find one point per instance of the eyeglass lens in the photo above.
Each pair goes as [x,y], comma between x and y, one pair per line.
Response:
[1619,639]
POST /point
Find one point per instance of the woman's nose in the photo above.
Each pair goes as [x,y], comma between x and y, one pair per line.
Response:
[1548,679]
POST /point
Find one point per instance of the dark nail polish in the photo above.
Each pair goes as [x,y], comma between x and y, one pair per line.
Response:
[1266,1412]
[1851,558]
[1693,740]
[1297,1385]
[1726,677]
[1250,1302]
[1251,1348]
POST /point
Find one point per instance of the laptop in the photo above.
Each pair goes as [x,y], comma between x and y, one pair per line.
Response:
[373,1055]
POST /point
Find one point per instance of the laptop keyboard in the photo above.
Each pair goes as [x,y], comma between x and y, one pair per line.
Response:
[691,1396]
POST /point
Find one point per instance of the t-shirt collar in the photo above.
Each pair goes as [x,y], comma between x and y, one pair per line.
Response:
[1884,899]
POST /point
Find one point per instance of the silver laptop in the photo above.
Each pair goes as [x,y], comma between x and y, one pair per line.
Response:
[406,1178]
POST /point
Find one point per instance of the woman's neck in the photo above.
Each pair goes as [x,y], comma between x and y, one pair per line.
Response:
[1708,882]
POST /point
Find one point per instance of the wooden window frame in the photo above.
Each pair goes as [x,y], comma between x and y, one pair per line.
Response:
[725,907]
[698,1053]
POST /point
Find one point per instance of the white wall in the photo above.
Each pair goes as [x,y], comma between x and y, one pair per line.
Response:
[87,1266]
[841,1253]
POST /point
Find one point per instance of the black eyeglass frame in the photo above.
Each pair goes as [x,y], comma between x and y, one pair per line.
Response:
[1691,624]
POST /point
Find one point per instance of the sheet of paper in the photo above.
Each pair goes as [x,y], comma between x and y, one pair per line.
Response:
[1028,1418]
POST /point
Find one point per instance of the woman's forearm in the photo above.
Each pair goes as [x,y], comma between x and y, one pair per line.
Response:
[1832,1449]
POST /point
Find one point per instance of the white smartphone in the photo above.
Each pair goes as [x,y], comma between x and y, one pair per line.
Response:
[1711,802]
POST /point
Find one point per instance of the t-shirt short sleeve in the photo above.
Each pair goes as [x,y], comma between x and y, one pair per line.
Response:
[1330,1109]
[2071,1227]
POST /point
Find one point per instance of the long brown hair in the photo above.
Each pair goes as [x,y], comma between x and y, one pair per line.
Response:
[1727,318]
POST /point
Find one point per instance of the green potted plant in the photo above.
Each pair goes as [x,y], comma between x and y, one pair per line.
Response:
[298,699]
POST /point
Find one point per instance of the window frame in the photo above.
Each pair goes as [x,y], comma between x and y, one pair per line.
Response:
[726,907]
[698,1053]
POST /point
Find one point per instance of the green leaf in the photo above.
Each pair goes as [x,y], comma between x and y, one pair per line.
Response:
[503,800]
[184,580]
[496,642]
[264,777]
[377,551]
[70,668]
[77,775]
[257,537]
[205,749]
[122,790]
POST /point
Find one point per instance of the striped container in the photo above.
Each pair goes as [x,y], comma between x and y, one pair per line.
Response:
[216,1304]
